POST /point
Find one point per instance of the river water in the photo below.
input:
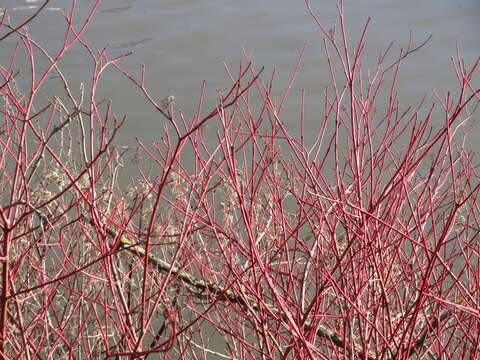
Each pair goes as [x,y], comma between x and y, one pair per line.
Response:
[184,42]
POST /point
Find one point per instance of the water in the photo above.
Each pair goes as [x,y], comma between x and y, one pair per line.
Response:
[184,42]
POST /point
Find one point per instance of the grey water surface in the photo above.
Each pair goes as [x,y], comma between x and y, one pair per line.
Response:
[185,42]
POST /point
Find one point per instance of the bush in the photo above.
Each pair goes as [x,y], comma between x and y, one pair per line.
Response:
[256,248]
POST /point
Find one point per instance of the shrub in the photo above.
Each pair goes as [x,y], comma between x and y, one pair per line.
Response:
[236,239]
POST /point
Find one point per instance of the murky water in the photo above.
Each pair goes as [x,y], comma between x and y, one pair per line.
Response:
[183,42]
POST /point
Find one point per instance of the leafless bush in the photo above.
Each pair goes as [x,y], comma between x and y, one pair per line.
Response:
[257,245]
